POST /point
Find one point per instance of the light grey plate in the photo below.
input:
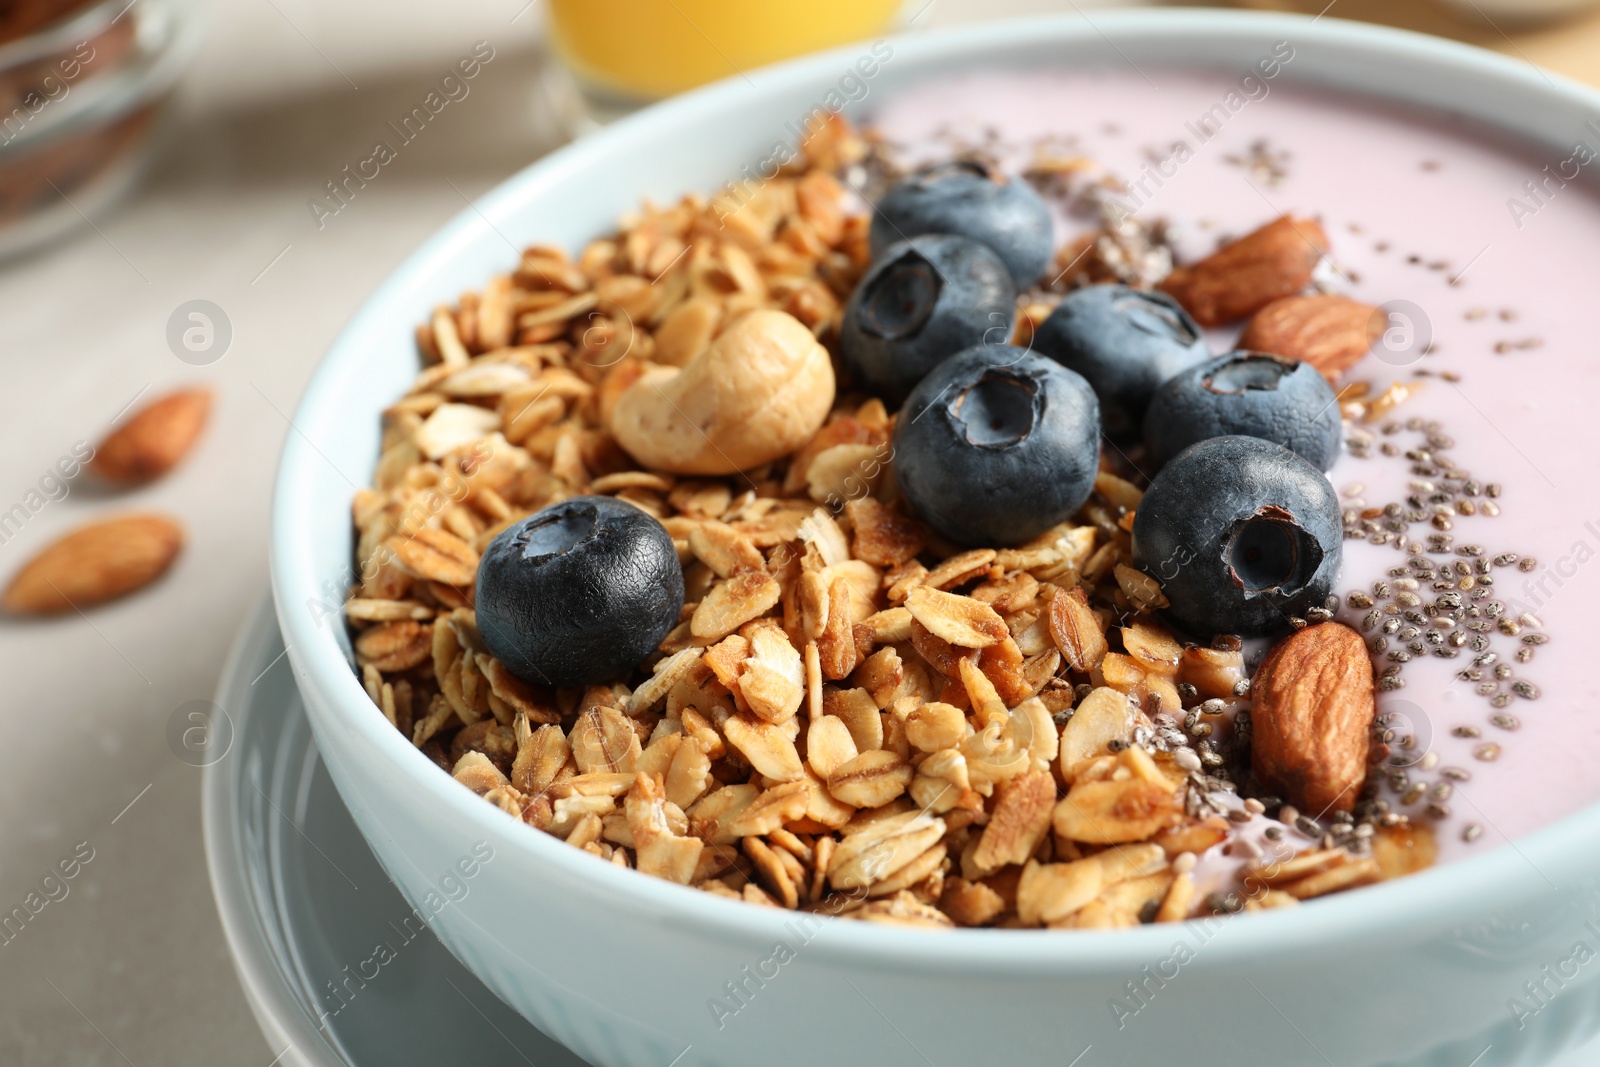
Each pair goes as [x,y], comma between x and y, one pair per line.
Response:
[337,967]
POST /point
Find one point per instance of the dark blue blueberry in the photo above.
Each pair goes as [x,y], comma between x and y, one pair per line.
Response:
[921,303]
[997,445]
[581,592]
[971,200]
[1126,342]
[1251,393]
[1241,533]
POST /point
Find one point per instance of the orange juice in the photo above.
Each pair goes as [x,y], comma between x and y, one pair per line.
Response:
[653,48]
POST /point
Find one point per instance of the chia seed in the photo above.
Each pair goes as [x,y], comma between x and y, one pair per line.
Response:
[1224,903]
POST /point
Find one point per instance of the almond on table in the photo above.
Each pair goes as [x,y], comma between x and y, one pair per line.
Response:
[95,563]
[152,440]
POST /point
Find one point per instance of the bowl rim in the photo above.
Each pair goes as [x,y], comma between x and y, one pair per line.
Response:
[1443,896]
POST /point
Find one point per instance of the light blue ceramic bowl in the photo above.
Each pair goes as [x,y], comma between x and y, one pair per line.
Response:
[622,967]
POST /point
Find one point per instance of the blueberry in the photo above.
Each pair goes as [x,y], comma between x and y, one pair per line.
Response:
[997,445]
[971,200]
[1251,393]
[581,592]
[1241,533]
[1126,342]
[921,303]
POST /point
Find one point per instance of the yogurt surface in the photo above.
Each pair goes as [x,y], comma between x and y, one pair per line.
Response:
[1482,250]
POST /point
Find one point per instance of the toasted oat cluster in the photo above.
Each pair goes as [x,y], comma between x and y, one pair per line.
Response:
[851,716]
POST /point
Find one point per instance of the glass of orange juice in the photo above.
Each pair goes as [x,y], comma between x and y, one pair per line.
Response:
[620,54]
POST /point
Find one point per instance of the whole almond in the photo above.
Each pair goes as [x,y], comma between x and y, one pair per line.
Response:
[153,440]
[1329,332]
[1312,718]
[1244,276]
[95,563]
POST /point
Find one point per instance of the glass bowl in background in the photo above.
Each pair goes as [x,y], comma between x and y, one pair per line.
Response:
[78,100]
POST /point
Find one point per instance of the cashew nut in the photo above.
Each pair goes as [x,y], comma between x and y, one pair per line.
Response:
[760,391]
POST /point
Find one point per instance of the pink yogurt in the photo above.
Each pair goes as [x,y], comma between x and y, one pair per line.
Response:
[1496,259]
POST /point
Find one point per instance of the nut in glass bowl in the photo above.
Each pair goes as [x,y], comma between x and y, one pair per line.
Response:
[79,95]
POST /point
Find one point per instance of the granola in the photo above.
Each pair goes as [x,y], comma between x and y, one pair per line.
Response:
[851,715]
